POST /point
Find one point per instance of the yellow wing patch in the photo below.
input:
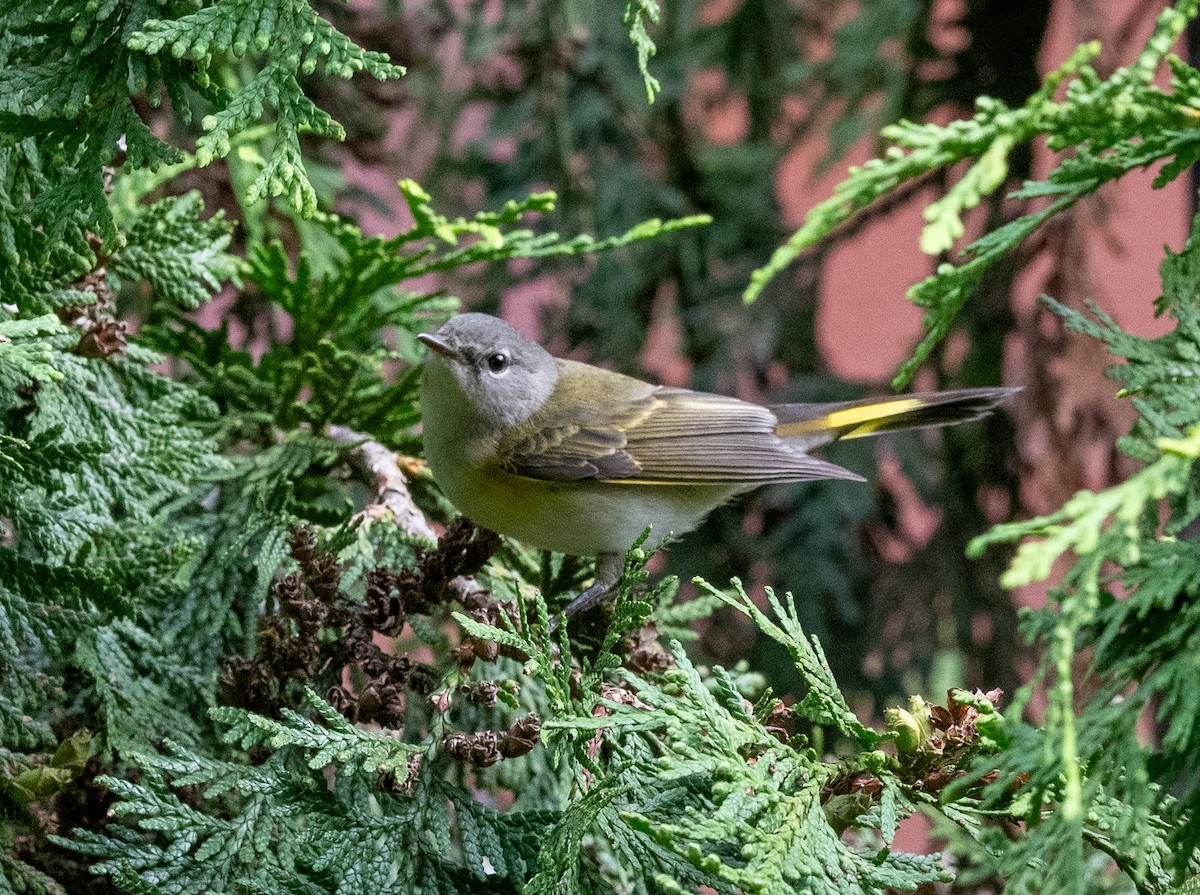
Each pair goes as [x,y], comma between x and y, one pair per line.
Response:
[853,422]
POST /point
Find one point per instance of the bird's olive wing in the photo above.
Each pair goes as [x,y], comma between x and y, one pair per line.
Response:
[570,450]
[663,436]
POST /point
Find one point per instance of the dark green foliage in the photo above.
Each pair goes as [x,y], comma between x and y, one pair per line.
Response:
[101,460]
[179,255]
[70,73]
[86,497]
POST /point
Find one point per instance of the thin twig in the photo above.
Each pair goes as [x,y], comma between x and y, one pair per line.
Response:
[392,494]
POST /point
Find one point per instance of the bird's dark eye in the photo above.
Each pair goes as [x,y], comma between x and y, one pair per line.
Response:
[497,362]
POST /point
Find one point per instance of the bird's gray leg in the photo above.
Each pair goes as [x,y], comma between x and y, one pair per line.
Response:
[609,567]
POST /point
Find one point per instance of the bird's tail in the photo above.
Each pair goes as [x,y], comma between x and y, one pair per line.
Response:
[812,425]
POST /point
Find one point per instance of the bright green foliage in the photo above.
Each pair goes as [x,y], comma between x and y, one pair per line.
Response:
[679,781]
[279,826]
[334,354]
[1115,125]
[1131,598]
[823,703]
[637,12]
[696,789]
[179,255]
[766,795]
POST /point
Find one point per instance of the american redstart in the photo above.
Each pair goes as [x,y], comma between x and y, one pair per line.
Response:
[565,456]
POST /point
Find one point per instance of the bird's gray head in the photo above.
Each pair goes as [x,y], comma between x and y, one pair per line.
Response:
[504,375]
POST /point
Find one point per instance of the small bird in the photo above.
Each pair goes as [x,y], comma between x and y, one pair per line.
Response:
[566,456]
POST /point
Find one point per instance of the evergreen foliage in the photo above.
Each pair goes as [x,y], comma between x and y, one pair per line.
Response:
[1140,644]
[206,542]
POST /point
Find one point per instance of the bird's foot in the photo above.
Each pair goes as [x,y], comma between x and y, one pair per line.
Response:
[609,567]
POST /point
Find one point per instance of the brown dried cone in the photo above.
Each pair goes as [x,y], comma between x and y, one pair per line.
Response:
[310,600]
[103,335]
[485,748]
[246,684]
[392,595]
[302,545]
[483,693]
[644,654]
[522,737]
[103,340]
[377,703]
[478,749]
[781,722]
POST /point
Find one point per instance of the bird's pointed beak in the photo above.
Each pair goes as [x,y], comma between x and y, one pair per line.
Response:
[438,344]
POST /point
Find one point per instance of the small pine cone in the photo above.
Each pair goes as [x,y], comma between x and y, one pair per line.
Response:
[383,611]
[479,551]
[382,705]
[310,617]
[302,545]
[343,702]
[272,635]
[325,579]
[423,679]
[457,746]
[522,737]
[370,658]
[359,646]
[487,650]
[388,781]
[464,548]
[464,654]
[411,588]
[781,721]
[482,693]
[289,592]
[297,658]
[396,671]
[245,684]
[481,606]
[369,704]
[645,654]
[485,750]
[103,340]
[394,705]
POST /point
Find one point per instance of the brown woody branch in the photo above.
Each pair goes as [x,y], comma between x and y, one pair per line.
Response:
[391,485]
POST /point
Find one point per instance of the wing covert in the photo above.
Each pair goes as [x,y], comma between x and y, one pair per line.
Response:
[650,435]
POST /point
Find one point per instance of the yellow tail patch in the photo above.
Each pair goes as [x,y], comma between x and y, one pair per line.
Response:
[852,422]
